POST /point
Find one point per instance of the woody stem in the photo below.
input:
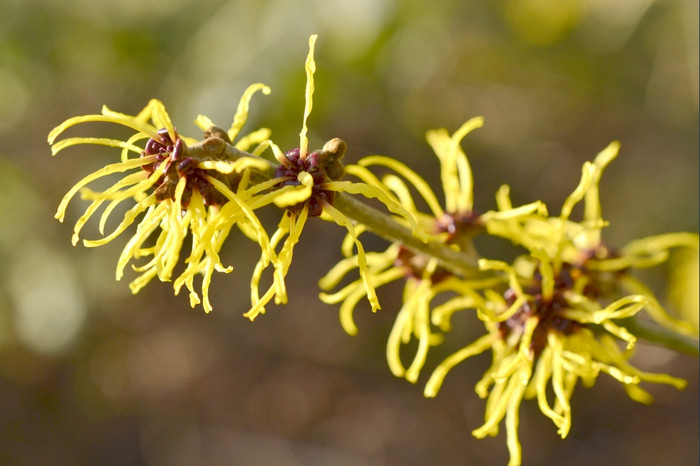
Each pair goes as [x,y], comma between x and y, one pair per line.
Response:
[386,227]
[459,263]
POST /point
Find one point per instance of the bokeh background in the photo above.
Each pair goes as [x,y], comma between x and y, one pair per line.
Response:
[90,374]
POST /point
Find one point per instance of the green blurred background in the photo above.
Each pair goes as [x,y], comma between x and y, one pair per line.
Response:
[90,374]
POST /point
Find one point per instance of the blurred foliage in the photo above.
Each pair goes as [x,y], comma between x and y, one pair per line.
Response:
[91,375]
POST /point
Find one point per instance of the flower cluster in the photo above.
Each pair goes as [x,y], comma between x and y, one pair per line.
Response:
[181,188]
[551,317]
[178,185]
[555,315]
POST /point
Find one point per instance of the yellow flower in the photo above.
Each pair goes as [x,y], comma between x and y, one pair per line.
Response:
[564,242]
[177,186]
[455,224]
[546,333]
[562,316]
[306,185]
